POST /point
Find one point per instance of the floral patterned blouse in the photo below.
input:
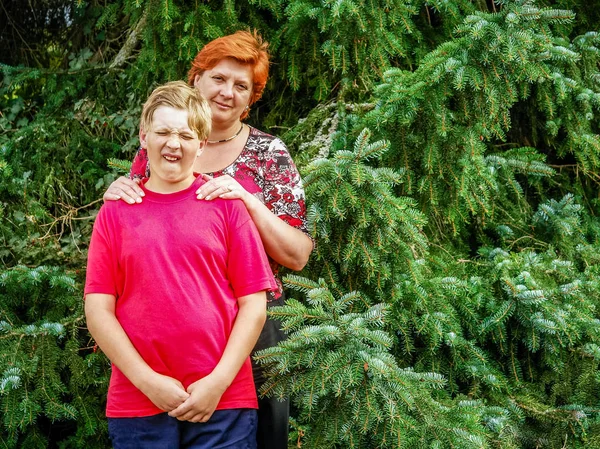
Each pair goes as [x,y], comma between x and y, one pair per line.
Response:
[265,169]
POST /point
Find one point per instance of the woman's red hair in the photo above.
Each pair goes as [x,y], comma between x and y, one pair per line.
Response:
[244,47]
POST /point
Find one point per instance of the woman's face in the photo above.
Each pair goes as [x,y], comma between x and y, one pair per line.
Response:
[227,87]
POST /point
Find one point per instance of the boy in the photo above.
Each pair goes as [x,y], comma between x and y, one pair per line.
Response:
[175,295]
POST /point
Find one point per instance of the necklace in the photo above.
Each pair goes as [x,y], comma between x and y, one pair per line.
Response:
[229,138]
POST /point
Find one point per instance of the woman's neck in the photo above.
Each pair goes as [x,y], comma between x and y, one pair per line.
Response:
[215,157]
[224,132]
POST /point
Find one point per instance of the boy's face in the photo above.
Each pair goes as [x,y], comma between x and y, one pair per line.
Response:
[172,149]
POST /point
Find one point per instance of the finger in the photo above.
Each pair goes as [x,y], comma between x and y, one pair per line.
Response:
[111,196]
[184,407]
[200,417]
[206,190]
[179,411]
[129,190]
[133,189]
[124,181]
[230,195]
[190,415]
[182,397]
[200,193]
[218,191]
[130,197]
[186,414]
[233,191]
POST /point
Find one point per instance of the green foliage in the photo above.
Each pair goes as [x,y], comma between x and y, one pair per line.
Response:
[77,132]
[51,384]
[504,328]
[124,167]
[452,115]
[356,40]
[349,389]
[450,155]
[365,233]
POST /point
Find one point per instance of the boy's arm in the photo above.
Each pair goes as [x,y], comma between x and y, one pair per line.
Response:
[206,392]
[164,392]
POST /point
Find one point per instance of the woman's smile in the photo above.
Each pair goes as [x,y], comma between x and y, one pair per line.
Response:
[228,87]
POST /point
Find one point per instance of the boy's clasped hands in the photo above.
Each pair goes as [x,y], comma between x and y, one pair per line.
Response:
[197,404]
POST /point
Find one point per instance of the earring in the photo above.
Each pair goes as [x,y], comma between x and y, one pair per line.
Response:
[247,107]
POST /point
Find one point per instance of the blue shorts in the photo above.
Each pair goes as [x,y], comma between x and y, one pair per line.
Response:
[226,429]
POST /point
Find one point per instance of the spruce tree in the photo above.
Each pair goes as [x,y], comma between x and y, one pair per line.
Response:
[450,157]
[497,304]
[52,379]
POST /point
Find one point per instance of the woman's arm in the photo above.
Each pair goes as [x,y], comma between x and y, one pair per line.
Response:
[206,393]
[281,219]
[284,243]
[164,392]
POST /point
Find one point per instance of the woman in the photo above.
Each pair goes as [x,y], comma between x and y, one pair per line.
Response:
[241,162]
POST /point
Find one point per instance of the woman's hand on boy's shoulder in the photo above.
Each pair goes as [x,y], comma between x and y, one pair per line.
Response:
[164,391]
[223,186]
[124,189]
[205,395]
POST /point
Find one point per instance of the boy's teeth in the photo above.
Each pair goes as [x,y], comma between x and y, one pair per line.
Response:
[170,159]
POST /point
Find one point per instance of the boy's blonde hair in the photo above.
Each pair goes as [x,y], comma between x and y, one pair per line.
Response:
[179,95]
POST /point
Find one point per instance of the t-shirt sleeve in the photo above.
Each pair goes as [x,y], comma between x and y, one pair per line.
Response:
[283,190]
[248,268]
[139,166]
[101,269]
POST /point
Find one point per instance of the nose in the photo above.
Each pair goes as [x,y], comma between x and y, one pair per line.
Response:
[227,90]
[173,141]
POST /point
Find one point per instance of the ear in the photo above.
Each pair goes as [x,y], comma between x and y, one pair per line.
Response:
[143,141]
[196,80]
[201,147]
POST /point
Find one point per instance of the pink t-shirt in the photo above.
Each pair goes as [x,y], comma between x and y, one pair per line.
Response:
[266,170]
[176,266]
